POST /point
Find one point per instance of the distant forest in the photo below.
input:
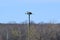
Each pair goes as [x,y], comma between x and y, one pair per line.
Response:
[40,31]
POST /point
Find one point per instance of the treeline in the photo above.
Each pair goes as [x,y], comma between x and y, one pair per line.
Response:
[41,31]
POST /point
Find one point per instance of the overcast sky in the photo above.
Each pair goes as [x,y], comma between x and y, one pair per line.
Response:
[43,10]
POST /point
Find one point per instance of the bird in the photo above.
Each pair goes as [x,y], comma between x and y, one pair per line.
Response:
[29,13]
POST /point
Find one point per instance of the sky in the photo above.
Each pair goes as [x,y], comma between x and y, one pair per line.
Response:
[43,11]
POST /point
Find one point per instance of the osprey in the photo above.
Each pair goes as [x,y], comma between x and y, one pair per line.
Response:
[29,13]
